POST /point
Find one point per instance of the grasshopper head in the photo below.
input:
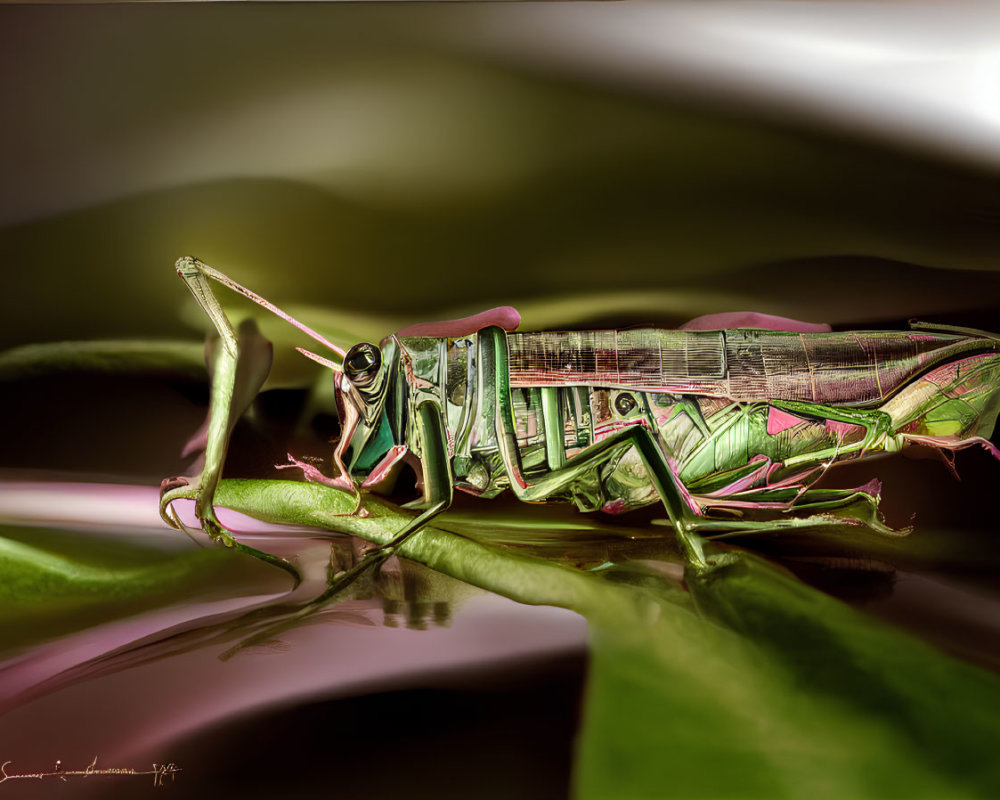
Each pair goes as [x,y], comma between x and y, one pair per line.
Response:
[361,389]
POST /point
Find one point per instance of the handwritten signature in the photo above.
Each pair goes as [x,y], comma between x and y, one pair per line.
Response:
[159,772]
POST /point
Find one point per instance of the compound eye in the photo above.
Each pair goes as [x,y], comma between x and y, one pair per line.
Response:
[362,363]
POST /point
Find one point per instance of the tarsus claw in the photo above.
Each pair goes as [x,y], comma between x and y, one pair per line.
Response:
[172,489]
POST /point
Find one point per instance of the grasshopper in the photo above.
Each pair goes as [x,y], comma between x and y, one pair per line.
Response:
[728,428]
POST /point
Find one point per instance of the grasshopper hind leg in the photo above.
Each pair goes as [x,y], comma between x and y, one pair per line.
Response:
[812,509]
[494,372]
[677,501]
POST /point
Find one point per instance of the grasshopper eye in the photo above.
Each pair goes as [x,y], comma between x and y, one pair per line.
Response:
[624,403]
[362,363]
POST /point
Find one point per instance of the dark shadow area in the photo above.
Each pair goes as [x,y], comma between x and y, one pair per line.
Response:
[506,732]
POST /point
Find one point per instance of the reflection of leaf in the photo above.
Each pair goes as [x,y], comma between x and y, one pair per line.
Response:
[773,690]
[53,583]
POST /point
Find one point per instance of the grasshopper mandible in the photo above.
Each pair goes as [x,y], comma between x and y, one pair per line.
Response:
[718,424]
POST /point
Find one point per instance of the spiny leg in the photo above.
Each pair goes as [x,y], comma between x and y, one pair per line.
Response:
[823,507]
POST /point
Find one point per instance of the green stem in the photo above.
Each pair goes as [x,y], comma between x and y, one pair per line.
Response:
[529,580]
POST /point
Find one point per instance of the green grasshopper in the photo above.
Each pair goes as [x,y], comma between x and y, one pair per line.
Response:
[728,428]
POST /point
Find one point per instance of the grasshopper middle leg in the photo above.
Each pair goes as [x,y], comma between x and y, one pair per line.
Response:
[494,368]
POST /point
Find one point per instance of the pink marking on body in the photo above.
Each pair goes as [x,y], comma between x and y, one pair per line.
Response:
[778,421]
[747,480]
[389,460]
[504,317]
[842,429]
[751,319]
[944,375]
[688,497]
[755,504]
[949,373]
[798,479]
[921,337]
[664,415]
[615,507]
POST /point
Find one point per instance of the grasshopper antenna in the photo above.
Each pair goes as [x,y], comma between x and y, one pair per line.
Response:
[319,359]
[191,269]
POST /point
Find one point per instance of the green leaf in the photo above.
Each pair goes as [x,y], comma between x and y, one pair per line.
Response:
[521,577]
[777,690]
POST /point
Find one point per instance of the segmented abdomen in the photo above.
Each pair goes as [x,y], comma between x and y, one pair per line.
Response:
[856,368]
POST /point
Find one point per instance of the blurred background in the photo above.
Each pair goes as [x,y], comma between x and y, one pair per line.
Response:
[630,161]
[374,165]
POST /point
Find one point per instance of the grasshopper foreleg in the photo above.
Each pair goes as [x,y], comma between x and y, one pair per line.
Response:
[312,474]
[438,492]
